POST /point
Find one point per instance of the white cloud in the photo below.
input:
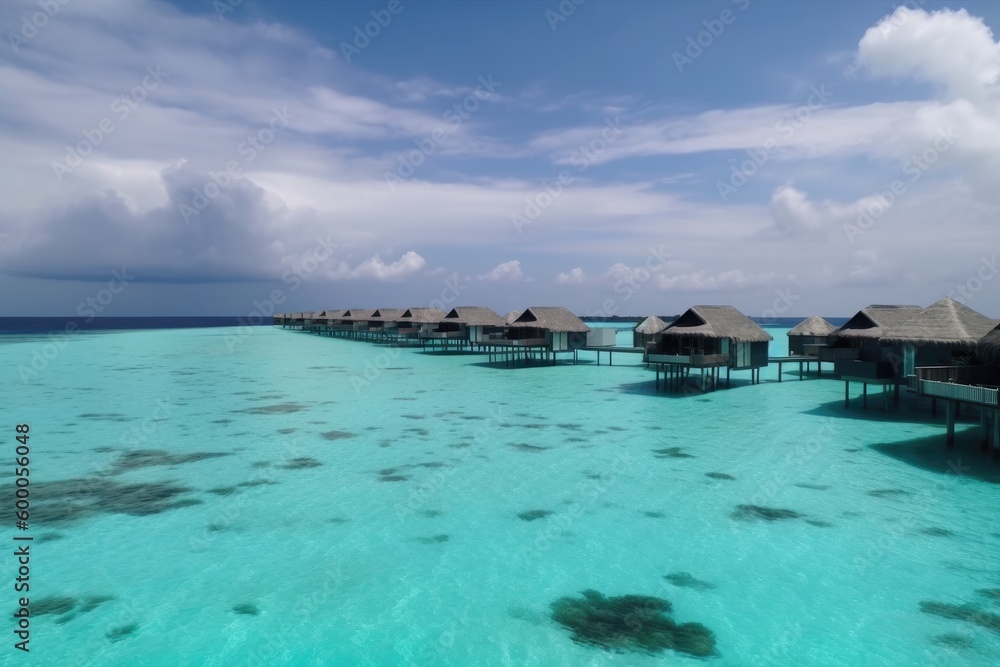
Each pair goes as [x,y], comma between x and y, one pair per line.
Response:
[506,272]
[574,277]
[376,269]
[951,49]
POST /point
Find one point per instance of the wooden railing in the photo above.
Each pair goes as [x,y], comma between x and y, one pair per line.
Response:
[697,359]
[973,384]
[518,342]
[959,392]
[444,334]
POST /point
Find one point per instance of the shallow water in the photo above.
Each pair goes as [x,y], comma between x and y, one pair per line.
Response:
[369,505]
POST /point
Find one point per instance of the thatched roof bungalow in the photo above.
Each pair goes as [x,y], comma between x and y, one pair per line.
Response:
[414,321]
[950,328]
[354,320]
[861,339]
[944,333]
[324,319]
[511,316]
[811,331]
[645,332]
[383,320]
[707,336]
[467,324]
[548,327]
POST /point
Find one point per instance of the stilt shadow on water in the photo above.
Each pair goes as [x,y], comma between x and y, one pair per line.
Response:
[908,410]
[965,459]
[648,388]
[520,364]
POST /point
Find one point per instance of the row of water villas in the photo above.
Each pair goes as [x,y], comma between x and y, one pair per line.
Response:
[946,352]
[539,333]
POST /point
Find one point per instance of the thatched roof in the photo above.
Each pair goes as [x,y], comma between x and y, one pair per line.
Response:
[651,325]
[421,315]
[550,318]
[357,314]
[717,322]
[945,321]
[474,316]
[813,326]
[331,315]
[511,316]
[386,314]
[988,348]
[876,321]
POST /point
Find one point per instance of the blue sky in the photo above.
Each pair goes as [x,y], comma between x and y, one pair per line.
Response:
[619,158]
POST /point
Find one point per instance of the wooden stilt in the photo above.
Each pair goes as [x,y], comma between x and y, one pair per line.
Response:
[996,434]
[984,434]
[864,395]
[847,393]
[949,415]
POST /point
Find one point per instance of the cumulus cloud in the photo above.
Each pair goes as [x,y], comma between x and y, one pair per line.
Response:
[376,269]
[574,277]
[506,272]
[951,49]
[955,52]
[794,213]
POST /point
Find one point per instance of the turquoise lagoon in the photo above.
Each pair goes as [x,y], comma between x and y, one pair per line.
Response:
[316,501]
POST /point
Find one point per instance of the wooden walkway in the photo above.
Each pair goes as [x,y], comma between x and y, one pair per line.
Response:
[610,349]
[797,359]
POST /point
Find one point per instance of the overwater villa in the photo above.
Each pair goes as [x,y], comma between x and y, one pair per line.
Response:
[712,338]
[810,334]
[945,333]
[416,321]
[464,327]
[645,332]
[353,322]
[323,320]
[382,324]
[540,332]
[859,354]
[883,345]
[973,385]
